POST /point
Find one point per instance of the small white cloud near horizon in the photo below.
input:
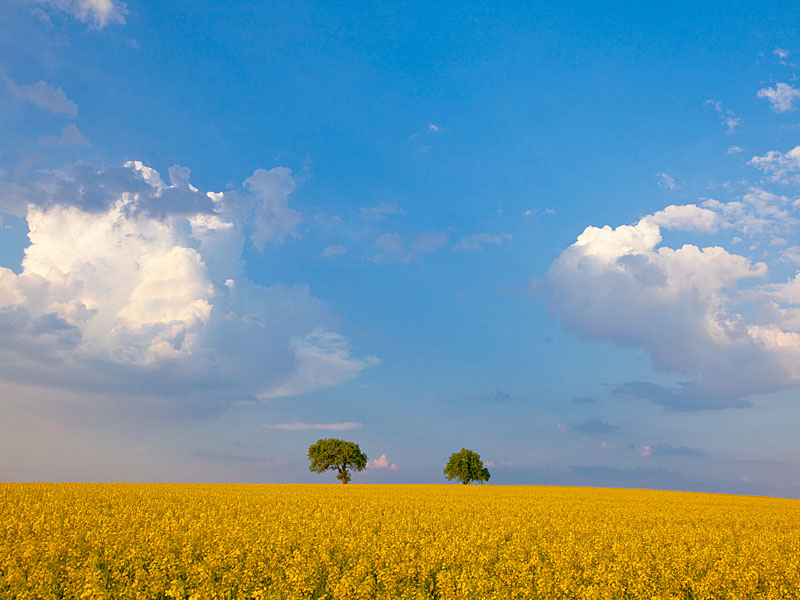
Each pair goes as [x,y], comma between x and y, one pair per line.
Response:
[382,463]
[346,426]
[662,449]
[781,97]
[503,463]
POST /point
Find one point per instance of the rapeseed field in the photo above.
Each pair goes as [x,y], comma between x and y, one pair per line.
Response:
[398,541]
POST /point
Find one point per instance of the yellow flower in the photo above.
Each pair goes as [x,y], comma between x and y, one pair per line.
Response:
[447,542]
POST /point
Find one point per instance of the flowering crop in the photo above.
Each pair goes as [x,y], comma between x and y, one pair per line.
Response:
[398,541]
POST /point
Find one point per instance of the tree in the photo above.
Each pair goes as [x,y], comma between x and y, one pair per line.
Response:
[332,454]
[466,466]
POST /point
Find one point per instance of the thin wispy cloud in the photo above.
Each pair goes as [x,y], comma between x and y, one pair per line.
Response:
[70,136]
[231,457]
[380,211]
[582,400]
[661,449]
[392,248]
[498,397]
[333,251]
[539,212]
[95,13]
[346,426]
[500,464]
[395,247]
[783,55]
[595,427]
[478,241]
[727,117]
[665,182]
[43,95]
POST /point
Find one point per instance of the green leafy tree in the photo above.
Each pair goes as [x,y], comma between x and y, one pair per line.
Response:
[466,466]
[336,455]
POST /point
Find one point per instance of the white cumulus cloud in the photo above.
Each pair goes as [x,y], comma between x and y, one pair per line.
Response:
[686,217]
[382,463]
[129,283]
[703,312]
[779,166]
[757,212]
[781,97]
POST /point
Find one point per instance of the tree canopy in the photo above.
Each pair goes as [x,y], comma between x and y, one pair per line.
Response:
[466,466]
[336,455]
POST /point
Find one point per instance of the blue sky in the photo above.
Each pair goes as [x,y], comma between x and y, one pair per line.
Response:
[563,237]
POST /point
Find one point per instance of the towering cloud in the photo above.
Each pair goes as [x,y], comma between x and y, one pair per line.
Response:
[130,282]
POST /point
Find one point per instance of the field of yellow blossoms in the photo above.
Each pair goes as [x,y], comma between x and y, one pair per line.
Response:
[391,541]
